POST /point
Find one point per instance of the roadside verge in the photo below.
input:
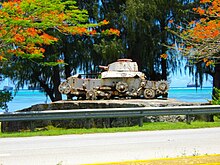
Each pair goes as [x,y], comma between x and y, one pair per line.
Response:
[193,160]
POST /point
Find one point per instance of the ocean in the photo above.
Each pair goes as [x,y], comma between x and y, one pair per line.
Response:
[191,94]
[25,98]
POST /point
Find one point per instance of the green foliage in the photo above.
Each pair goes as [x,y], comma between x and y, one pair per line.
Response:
[109,50]
[216,96]
[25,25]
[53,131]
[141,24]
[40,39]
[5,97]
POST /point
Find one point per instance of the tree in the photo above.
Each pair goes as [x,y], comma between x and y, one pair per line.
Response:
[24,25]
[105,49]
[199,41]
[5,97]
[145,27]
[142,32]
[28,28]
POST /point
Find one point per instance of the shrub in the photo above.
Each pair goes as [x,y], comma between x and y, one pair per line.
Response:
[216,97]
[5,97]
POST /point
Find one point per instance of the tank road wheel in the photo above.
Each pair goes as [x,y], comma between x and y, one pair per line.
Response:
[64,87]
[140,92]
[91,95]
[122,87]
[162,86]
[149,93]
[108,95]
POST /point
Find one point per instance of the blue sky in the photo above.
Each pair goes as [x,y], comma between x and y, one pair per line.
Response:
[179,80]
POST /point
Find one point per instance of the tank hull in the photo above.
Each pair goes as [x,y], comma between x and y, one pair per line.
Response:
[122,79]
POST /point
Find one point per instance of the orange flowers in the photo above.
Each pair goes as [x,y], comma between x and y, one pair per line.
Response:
[164,56]
[2,58]
[60,61]
[170,21]
[207,28]
[201,37]
[189,47]
[104,22]
[205,59]
[192,23]
[200,11]
[111,31]
[212,10]
[61,16]
[42,50]
[32,32]
[14,0]
[28,31]
[204,1]
[19,38]
[210,62]
[48,38]
[93,32]
[81,30]
[114,31]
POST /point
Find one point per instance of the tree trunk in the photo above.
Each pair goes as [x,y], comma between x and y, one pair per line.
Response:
[216,79]
[163,50]
[216,84]
[56,83]
[36,75]
[47,90]
[216,76]
[67,69]
[164,69]
[54,93]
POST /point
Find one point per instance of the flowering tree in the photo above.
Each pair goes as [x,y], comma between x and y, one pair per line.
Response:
[203,36]
[24,25]
[200,39]
[29,30]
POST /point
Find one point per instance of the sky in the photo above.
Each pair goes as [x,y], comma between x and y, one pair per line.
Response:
[179,80]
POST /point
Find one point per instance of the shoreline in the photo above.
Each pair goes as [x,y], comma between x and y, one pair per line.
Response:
[26,98]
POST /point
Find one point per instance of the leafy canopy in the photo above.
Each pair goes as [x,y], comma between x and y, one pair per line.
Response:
[201,37]
[5,96]
[24,25]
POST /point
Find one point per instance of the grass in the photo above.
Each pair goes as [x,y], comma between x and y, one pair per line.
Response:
[52,131]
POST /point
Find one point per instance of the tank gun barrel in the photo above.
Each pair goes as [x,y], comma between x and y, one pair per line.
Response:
[103,67]
[118,79]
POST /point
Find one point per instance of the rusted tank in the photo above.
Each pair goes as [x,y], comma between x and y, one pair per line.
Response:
[120,79]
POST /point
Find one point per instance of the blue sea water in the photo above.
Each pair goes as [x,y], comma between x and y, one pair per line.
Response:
[26,98]
[191,94]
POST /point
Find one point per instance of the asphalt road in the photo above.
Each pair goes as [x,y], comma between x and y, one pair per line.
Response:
[108,147]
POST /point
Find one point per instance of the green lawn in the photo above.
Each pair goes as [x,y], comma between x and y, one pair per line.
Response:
[50,131]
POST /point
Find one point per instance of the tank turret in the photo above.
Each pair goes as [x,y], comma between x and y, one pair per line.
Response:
[120,79]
